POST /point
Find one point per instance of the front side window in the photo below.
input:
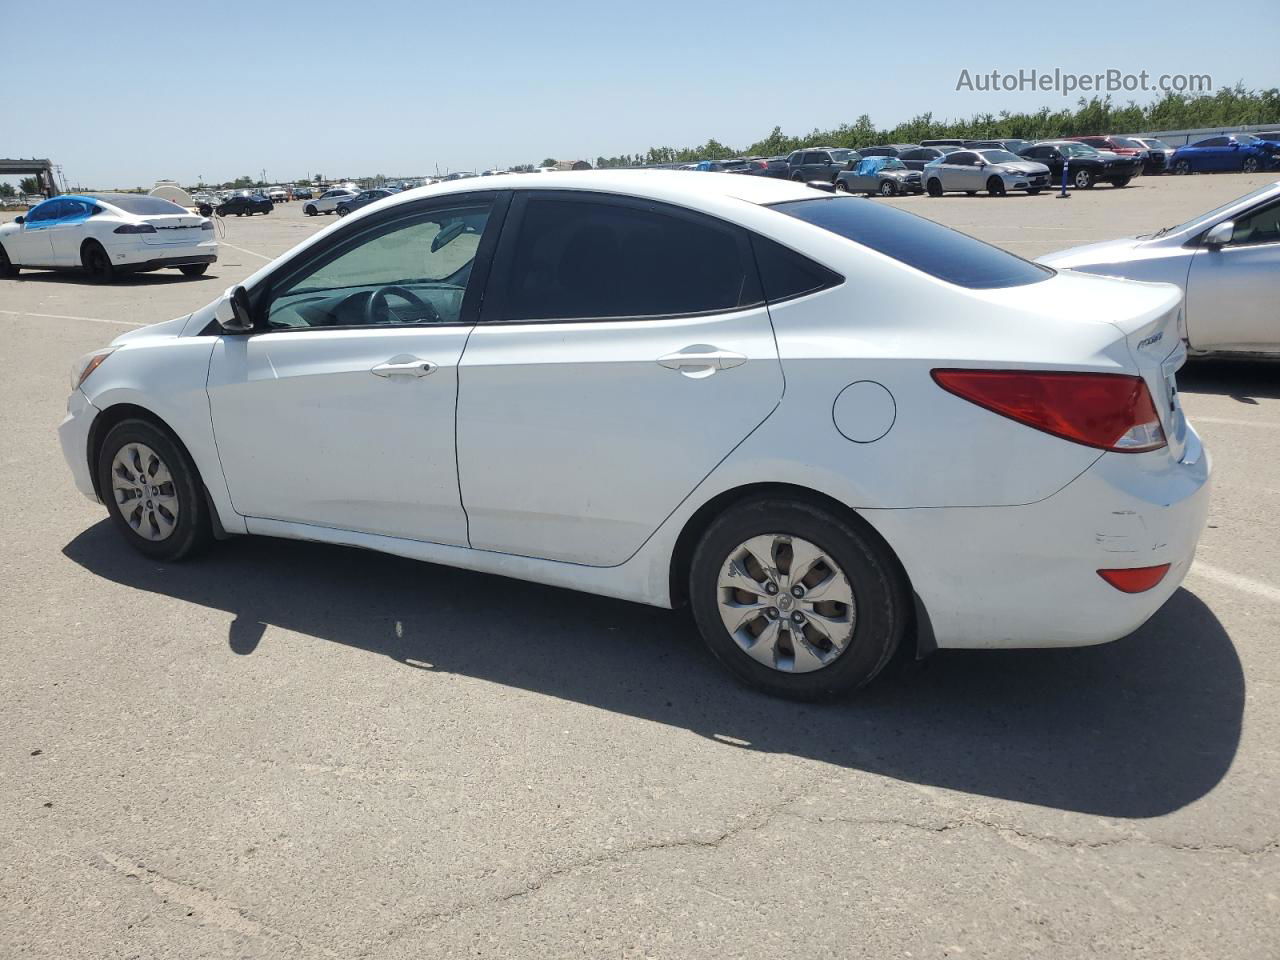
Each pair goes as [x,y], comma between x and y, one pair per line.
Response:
[44,212]
[919,243]
[412,270]
[961,159]
[591,259]
[1260,226]
[1213,142]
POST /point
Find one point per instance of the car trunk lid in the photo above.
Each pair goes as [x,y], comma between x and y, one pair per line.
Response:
[175,228]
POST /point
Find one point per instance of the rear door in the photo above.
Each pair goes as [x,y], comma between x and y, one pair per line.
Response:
[1233,293]
[623,351]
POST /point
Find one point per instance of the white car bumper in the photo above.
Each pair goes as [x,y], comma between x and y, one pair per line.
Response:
[1027,576]
[73,434]
[137,254]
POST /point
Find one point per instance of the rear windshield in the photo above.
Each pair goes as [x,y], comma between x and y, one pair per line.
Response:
[143,205]
[945,253]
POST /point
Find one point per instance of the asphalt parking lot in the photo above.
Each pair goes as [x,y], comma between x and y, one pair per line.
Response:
[293,750]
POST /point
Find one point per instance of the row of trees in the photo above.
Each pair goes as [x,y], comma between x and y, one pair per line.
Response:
[1229,107]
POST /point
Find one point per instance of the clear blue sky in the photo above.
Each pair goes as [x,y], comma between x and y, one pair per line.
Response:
[147,90]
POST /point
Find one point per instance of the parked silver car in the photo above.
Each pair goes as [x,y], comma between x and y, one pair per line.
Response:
[996,171]
[1226,261]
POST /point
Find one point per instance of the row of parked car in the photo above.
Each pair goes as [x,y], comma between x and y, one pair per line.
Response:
[997,166]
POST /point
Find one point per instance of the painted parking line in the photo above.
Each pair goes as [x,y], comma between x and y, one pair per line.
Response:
[1237,582]
[63,316]
[252,253]
[1232,422]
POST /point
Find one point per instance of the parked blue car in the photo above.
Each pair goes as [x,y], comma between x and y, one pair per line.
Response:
[1234,151]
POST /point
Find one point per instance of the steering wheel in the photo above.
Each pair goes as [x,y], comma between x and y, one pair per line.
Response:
[378,311]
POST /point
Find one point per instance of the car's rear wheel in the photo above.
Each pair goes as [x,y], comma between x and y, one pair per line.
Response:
[995,187]
[935,187]
[153,491]
[193,269]
[795,599]
[1082,179]
[888,188]
[96,263]
[1250,165]
[7,267]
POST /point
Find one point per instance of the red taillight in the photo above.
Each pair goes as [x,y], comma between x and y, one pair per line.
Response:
[1111,411]
[134,228]
[1135,579]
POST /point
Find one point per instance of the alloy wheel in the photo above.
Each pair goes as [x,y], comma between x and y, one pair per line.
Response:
[786,603]
[144,491]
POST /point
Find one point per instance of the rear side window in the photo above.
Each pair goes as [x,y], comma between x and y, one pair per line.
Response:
[587,259]
[937,250]
[786,274]
[142,205]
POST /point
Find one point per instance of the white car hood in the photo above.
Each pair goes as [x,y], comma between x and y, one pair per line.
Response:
[1108,251]
[167,328]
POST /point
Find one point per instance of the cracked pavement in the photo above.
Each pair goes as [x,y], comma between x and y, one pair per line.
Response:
[290,750]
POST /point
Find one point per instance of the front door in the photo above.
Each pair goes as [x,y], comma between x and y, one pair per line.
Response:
[338,410]
[623,352]
[1233,293]
[31,246]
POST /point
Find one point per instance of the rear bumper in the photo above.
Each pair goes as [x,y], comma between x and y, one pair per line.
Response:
[159,263]
[73,436]
[1026,576]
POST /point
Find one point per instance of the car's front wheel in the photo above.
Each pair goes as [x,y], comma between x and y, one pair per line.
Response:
[1250,165]
[343,211]
[309,210]
[995,187]
[1181,168]
[153,491]
[842,186]
[7,267]
[935,187]
[795,599]
[888,188]
[1082,178]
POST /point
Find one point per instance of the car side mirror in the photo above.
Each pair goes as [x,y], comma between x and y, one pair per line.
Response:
[1220,235]
[19,220]
[233,312]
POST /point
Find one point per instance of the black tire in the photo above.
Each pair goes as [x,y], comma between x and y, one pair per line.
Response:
[1250,165]
[343,211]
[1122,182]
[934,187]
[97,265]
[193,269]
[995,187]
[1033,191]
[797,177]
[1182,168]
[888,189]
[309,210]
[971,193]
[7,267]
[193,529]
[878,589]
[842,186]
[1082,179]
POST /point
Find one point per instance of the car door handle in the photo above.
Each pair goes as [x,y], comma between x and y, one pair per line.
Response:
[702,356]
[404,367]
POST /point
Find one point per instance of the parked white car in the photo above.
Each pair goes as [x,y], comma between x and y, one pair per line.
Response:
[995,171]
[831,426]
[108,233]
[278,195]
[1227,262]
[328,201]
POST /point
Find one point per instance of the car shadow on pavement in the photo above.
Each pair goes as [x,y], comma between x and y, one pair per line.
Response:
[1136,728]
[147,279]
[1241,379]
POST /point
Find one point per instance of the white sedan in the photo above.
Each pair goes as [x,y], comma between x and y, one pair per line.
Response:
[833,428]
[328,201]
[108,233]
[1227,262]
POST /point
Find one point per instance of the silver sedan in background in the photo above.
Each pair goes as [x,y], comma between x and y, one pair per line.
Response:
[996,171]
[1226,261]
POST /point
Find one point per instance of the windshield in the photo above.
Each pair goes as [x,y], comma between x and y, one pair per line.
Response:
[1247,138]
[1205,219]
[142,205]
[1129,142]
[999,156]
[1155,144]
[1076,150]
[919,243]
[893,163]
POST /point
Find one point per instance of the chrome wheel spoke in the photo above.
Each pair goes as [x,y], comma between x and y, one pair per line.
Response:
[803,657]
[835,588]
[735,577]
[765,552]
[735,616]
[764,647]
[803,557]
